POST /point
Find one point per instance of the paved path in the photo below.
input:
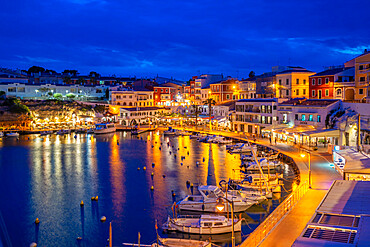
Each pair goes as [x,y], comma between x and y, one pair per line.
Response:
[322,174]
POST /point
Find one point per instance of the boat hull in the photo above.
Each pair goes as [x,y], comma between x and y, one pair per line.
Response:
[172,226]
[105,131]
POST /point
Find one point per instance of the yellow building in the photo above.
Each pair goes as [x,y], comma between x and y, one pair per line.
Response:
[293,83]
[362,77]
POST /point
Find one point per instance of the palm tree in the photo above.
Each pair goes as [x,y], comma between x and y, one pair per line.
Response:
[196,109]
[210,102]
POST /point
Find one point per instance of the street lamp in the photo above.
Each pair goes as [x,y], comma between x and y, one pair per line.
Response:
[309,166]
[220,206]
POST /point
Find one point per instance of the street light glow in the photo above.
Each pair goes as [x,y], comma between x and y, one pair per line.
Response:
[303,155]
[220,206]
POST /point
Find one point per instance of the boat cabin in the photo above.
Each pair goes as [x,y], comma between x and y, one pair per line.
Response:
[210,191]
[212,221]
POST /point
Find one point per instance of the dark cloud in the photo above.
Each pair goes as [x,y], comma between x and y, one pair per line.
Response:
[181,38]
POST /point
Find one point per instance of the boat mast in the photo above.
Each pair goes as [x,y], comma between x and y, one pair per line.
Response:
[259,167]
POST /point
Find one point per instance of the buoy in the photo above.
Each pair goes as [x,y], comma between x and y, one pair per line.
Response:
[173,193]
[117,142]
[75,136]
[191,185]
[103,218]
[152,188]
[153,165]
[152,146]
[188,152]
[144,168]
[180,163]
[164,176]
[33,244]
[159,148]
[188,167]
[37,221]
[96,198]
[93,198]
[204,159]
[79,238]
[138,168]
[170,152]
[187,182]
[178,148]
[152,174]
[185,147]
[82,203]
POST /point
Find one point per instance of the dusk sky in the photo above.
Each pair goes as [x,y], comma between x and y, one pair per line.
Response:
[181,38]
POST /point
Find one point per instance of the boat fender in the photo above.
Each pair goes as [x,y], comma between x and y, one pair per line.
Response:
[82,203]
[33,244]
[103,219]
[204,159]
[153,165]
[138,168]
[164,176]
[96,198]
[152,188]
[180,163]
[191,185]
[152,174]
[37,221]
[144,168]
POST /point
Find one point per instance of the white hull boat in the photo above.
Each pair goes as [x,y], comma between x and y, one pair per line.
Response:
[1,134]
[206,224]
[207,200]
[12,134]
[63,132]
[104,128]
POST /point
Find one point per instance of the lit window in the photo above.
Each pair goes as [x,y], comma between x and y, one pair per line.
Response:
[310,118]
[318,118]
[303,117]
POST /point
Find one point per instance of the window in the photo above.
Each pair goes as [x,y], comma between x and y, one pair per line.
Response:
[319,81]
[313,93]
[361,91]
[339,92]
[297,81]
[326,92]
[296,117]
[156,90]
[287,81]
[362,78]
[12,89]
[303,117]
[98,91]
[326,80]
[297,92]
[227,96]
[162,90]
[318,118]
[304,91]
[313,82]
[287,92]
[280,82]
[21,89]
[310,118]
[361,67]
[304,82]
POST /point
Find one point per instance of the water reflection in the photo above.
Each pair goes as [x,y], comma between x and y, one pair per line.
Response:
[54,173]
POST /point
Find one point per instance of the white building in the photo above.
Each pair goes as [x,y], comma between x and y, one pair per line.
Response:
[132,98]
[131,116]
[252,115]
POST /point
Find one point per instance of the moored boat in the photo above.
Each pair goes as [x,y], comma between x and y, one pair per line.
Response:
[104,128]
[12,134]
[205,224]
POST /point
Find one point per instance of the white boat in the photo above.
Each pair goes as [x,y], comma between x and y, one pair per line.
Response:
[12,134]
[46,132]
[236,145]
[104,128]
[264,164]
[63,132]
[245,148]
[170,131]
[1,134]
[206,224]
[207,200]
[260,181]
[173,242]
[195,135]
[224,140]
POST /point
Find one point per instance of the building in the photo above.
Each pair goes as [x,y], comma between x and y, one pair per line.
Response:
[252,115]
[331,83]
[205,80]
[306,121]
[341,219]
[141,98]
[131,116]
[164,95]
[247,89]
[225,90]
[292,83]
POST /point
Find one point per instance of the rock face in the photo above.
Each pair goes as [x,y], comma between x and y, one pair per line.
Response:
[44,111]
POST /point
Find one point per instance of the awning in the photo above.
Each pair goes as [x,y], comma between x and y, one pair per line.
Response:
[322,133]
[355,161]
[274,128]
[299,129]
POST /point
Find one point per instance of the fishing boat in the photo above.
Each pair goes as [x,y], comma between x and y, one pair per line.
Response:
[266,165]
[12,134]
[170,131]
[104,128]
[205,224]
[207,200]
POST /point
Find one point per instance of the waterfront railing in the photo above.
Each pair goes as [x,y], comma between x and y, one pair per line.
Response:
[264,229]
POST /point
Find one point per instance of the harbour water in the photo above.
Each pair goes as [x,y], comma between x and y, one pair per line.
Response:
[47,177]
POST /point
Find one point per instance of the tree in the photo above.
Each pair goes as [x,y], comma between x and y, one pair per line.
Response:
[252,74]
[58,96]
[50,71]
[93,77]
[35,69]
[210,102]
[81,81]
[71,96]
[67,79]
[196,109]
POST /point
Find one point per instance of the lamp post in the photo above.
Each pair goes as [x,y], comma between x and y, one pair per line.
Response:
[309,166]
[220,207]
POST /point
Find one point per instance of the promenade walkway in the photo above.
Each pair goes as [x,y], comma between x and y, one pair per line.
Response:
[322,176]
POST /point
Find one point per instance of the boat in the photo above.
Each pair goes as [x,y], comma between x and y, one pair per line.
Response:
[207,200]
[233,146]
[195,135]
[1,134]
[265,165]
[12,134]
[174,242]
[90,131]
[170,131]
[245,148]
[205,224]
[104,128]
[63,132]
[224,140]
[259,181]
[46,132]
[81,131]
